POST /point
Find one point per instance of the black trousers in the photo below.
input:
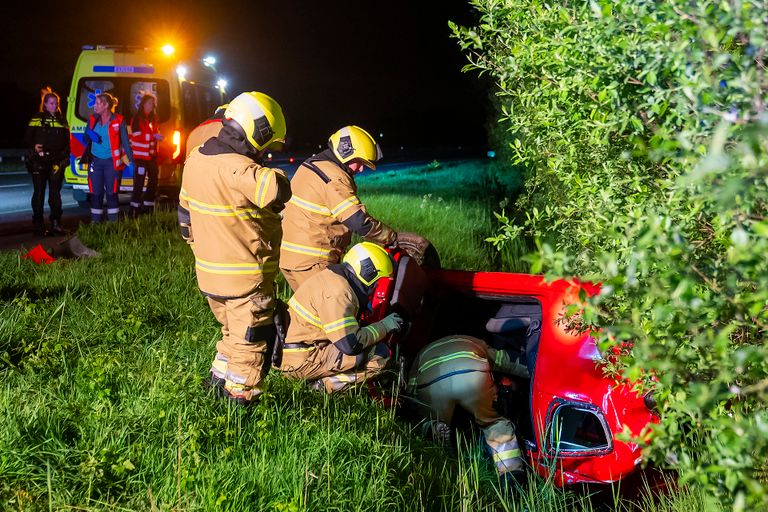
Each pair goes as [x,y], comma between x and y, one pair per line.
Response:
[46,176]
[144,169]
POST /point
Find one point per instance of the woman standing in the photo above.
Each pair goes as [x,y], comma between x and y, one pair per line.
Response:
[48,139]
[107,139]
[144,137]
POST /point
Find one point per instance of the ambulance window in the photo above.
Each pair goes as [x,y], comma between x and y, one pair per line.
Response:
[87,94]
[128,92]
[200,103]
[191,111]
[158,88]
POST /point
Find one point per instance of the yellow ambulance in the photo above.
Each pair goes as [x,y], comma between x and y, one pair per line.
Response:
[187,92]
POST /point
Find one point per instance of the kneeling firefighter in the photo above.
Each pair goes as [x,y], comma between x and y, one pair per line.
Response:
[324,210]
[229,209]
[456,371]
[325,343]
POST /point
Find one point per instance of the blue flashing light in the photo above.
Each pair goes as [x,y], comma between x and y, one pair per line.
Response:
[491,154]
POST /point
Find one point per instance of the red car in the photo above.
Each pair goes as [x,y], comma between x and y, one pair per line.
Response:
[569,414]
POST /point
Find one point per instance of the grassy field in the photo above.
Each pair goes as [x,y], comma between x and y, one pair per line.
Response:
[101,364]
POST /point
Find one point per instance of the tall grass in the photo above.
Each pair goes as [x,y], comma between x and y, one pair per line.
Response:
[450,203]
[102,407]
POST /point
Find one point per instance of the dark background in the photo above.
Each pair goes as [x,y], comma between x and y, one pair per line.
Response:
[388,66]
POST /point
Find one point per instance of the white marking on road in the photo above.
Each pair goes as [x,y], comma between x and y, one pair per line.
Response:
[11,186]
[23,210]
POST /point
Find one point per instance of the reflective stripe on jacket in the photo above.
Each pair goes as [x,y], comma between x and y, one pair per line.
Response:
[323,310]
[314,219]
[143,141]
[232,215]
[446,356]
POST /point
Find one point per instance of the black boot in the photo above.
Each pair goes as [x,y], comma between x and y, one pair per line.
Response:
[56,228]
[39,229]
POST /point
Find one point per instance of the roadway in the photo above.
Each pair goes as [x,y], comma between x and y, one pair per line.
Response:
[16,211]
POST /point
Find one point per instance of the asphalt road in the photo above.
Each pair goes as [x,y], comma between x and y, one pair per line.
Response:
[16,211]
[16,193]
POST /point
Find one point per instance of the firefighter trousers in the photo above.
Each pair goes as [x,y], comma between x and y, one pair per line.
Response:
[296,278]
[247,330]
[334,369]
[474,392]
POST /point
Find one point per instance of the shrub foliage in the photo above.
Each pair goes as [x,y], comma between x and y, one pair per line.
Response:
[642,130]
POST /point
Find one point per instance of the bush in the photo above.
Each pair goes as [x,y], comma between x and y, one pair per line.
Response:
[643,133]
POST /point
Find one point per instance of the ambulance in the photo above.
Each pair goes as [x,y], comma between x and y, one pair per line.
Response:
[187,92]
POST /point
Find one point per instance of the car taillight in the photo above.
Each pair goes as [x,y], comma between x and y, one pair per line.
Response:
[176,144]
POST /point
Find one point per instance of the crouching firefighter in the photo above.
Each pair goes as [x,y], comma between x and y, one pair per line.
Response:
[229,213]
[325,344]
[455,371]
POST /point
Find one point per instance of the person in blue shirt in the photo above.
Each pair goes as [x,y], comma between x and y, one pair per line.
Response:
[106,138]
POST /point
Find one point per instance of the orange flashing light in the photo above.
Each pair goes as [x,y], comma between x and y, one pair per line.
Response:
[176,144]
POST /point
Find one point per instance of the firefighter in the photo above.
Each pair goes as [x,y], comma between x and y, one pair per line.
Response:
[144,134]
[48,138]
[229,212]
[456,371]
[325,210]
[205,130]
[325,344]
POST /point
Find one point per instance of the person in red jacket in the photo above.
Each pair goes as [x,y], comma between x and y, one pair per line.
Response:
[108,149]
[144,136]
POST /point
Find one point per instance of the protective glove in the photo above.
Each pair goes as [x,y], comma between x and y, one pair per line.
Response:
[95,137]
[392,322]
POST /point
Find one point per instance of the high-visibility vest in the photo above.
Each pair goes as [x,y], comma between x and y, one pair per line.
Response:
[114,139]
[143,141]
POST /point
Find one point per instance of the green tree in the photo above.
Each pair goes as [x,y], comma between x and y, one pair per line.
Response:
[642,130]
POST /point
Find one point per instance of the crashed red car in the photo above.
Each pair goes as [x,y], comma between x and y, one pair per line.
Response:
[569,414]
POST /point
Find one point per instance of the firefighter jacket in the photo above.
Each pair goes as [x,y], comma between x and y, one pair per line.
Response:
[118,139]
[323,212]
[52,132]
[456,355]
[143,141]
[229,211]
[204,131]
[325,310]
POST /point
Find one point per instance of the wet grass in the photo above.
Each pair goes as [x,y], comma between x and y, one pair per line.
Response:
[101,365]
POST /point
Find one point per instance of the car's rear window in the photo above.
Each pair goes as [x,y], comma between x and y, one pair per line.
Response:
[127,90]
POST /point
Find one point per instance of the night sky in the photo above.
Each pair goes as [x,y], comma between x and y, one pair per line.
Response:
[388,66]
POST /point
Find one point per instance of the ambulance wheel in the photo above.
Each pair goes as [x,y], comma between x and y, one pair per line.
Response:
[420,249]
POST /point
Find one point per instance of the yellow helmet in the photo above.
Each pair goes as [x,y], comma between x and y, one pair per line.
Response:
[369,262]
[260,117]
[354,143]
